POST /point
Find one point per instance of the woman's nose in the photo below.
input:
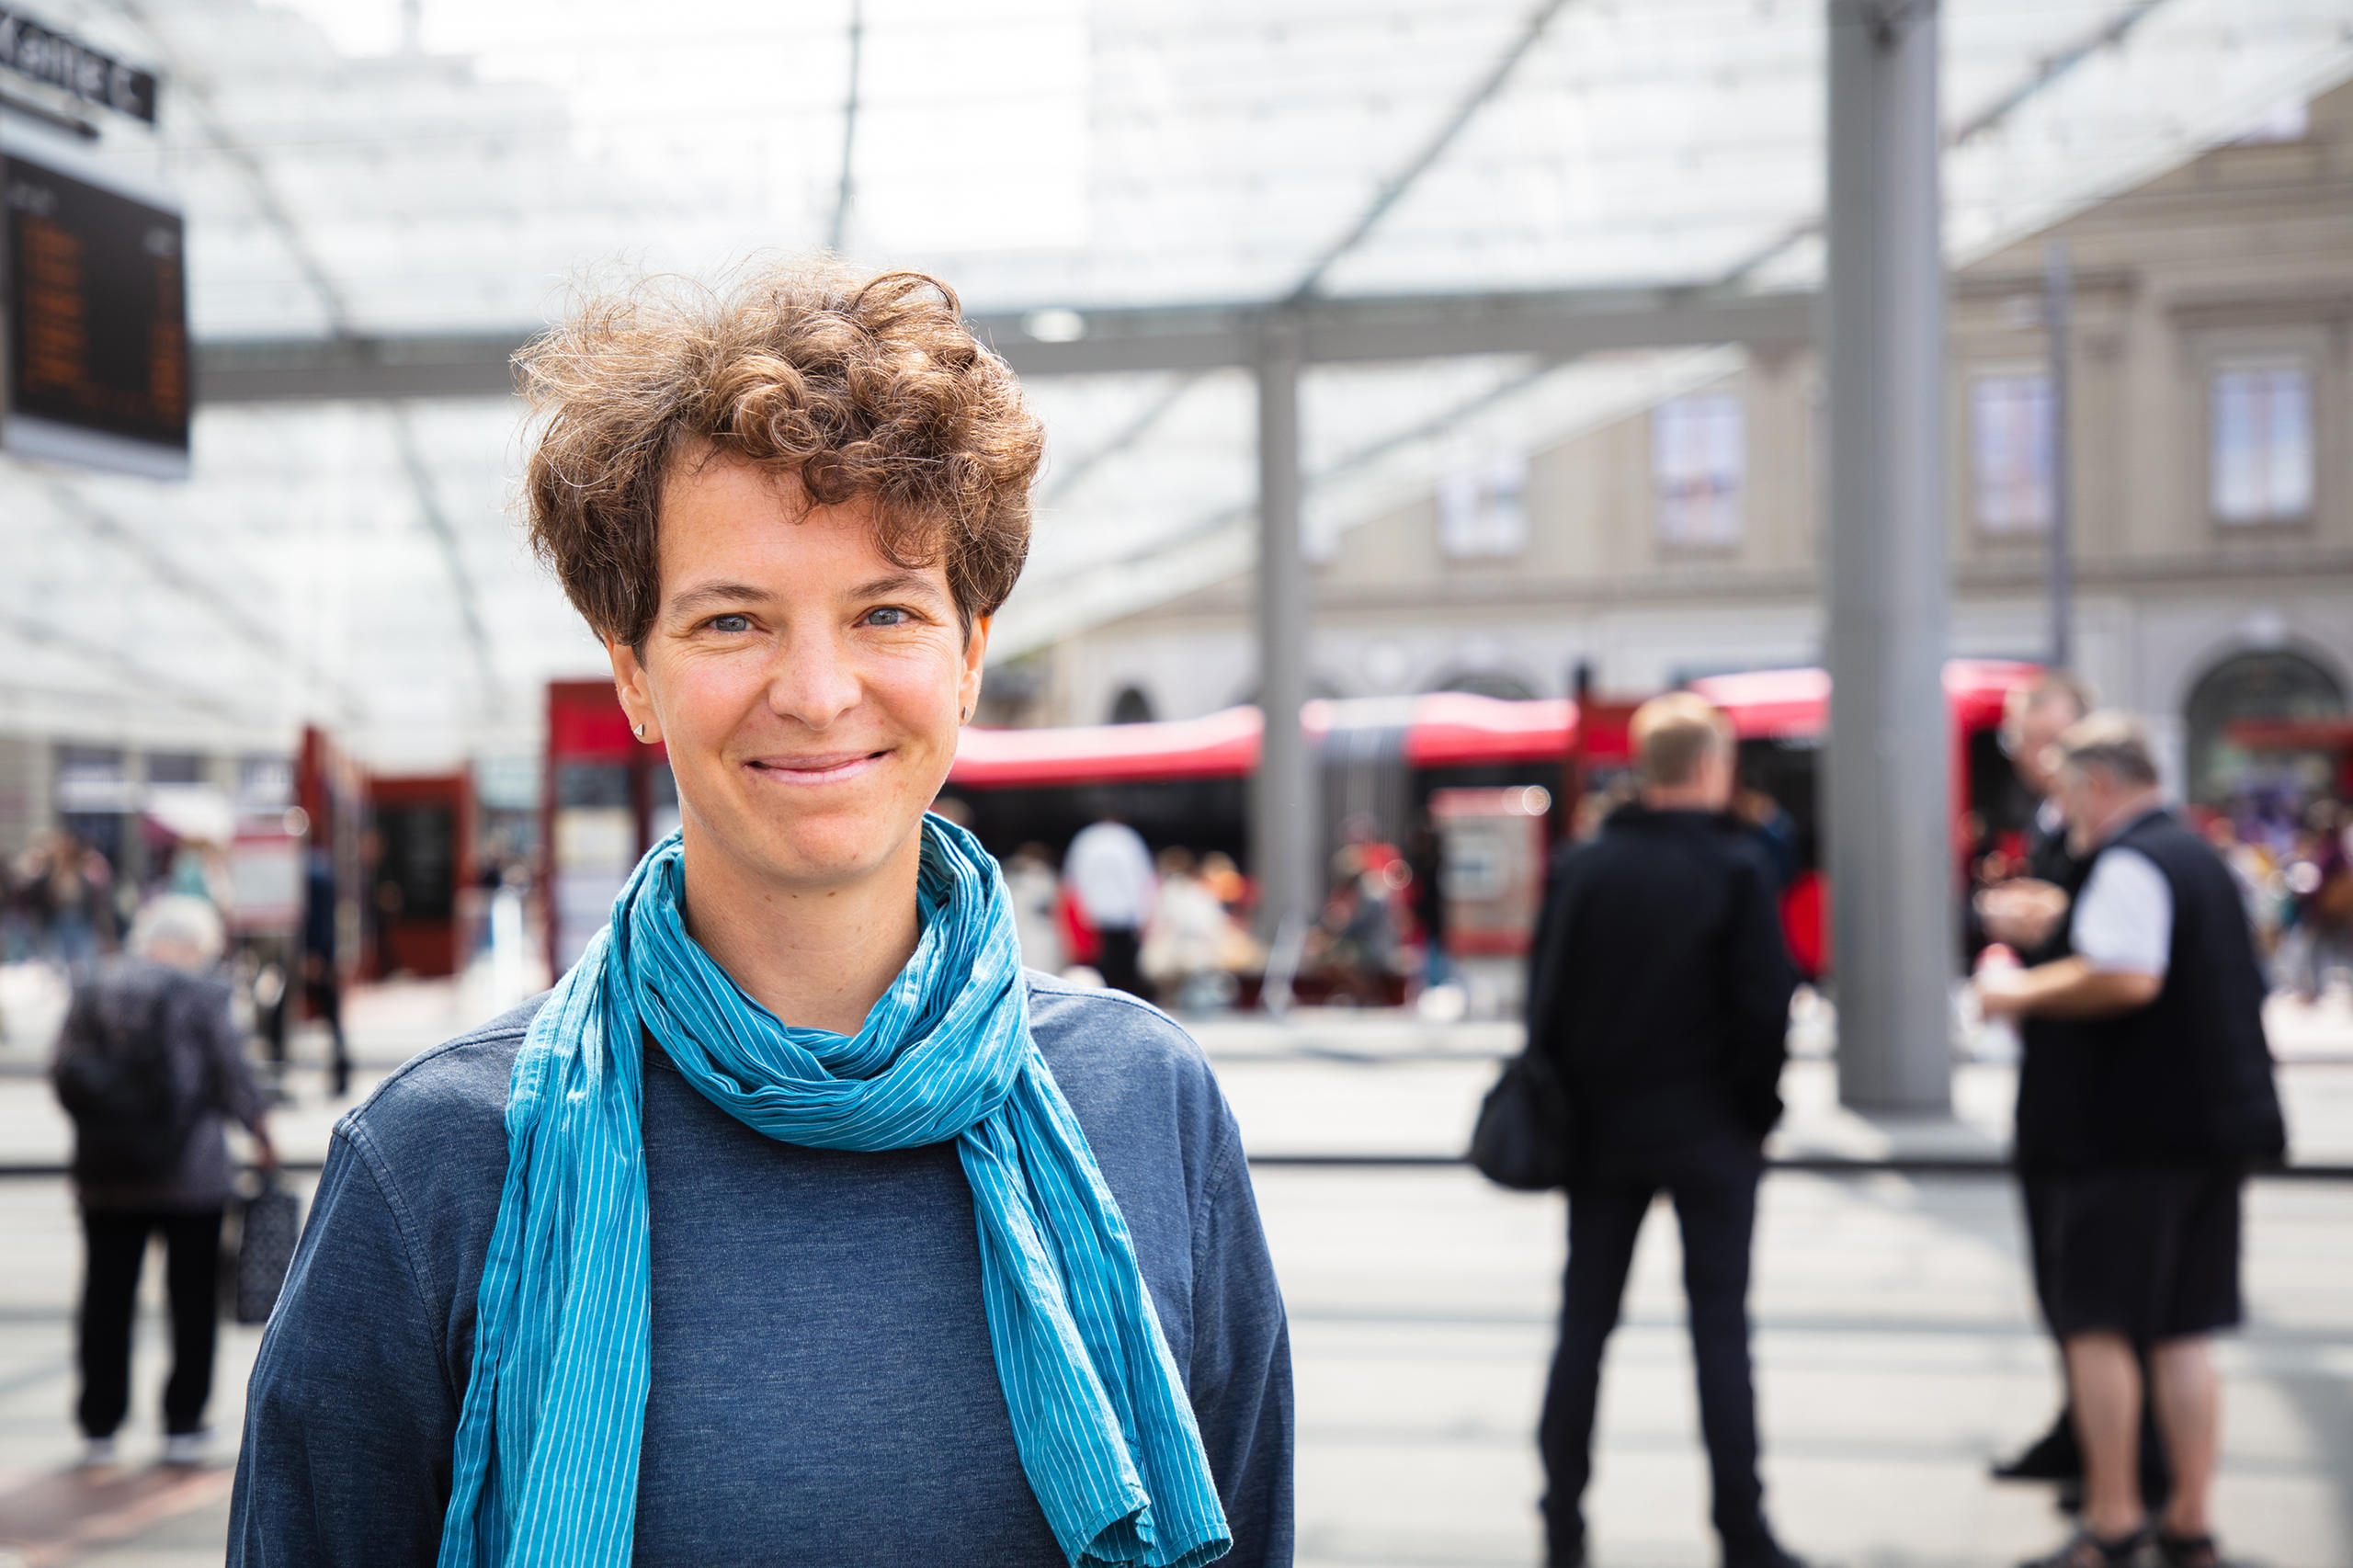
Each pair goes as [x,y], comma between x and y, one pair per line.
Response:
[814,681]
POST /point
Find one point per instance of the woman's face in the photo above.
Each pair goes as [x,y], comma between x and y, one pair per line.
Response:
[809,689]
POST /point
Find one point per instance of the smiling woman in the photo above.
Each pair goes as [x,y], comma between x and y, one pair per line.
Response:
[798,1223]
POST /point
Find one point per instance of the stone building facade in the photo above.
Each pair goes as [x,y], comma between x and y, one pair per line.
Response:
[2212,429]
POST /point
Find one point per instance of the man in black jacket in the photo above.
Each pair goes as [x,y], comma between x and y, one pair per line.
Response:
[1661,993]
[2145,1093]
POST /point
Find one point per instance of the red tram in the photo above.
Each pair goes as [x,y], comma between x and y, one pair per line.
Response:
[1185,781]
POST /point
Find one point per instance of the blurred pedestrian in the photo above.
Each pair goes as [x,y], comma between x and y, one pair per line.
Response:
[1193,948]
[1029,880]
[1425,857]
[1660,991]
[72,900]
[322,973]
[2321,883]
[1774,830]
[2145,1093]
[1352,948]
[150,1066]
[1225,882]
[1109,870]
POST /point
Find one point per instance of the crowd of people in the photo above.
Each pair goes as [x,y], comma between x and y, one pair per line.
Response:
[58,903]
[1175,927]
[1172,928]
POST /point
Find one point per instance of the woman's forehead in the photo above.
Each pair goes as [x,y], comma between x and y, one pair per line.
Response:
[729,520]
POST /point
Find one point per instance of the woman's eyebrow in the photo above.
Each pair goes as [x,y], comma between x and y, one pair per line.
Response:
[897,584]
[705,595]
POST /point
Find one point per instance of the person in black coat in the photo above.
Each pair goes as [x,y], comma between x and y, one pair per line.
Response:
[1660,993]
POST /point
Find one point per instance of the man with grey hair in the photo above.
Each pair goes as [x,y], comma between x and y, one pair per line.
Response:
[151,1065]
[2145,1093]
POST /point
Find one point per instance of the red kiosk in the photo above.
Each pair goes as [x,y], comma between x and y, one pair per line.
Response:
[606,801]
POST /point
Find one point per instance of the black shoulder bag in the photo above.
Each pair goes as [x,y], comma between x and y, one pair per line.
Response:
[1521,1139]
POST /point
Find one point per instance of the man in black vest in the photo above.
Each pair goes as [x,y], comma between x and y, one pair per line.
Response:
[1661,993]
[2145,1093]
[2028,914]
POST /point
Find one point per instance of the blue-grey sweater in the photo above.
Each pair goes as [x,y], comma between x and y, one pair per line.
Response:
[822,1387]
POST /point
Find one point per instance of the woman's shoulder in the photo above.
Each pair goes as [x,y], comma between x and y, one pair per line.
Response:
[444,1111]
[1132,1074]
[1095,1025]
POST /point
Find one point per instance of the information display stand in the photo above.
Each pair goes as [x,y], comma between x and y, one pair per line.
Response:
[96,352]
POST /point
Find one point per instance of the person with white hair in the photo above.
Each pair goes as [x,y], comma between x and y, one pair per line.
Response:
[150,1066]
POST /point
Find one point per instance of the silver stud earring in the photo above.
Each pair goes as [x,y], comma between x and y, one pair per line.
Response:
[637,730]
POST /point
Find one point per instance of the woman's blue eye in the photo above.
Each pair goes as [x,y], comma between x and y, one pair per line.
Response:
[896,617]
[730,623]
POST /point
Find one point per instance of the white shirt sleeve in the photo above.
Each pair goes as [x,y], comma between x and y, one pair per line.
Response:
[2123,918]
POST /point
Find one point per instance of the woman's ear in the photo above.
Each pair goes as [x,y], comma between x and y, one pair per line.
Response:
[976,649]
[637,697]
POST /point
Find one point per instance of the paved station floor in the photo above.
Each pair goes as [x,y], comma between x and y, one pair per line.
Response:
[1896,1345]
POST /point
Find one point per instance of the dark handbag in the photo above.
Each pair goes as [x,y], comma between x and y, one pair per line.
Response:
[271,1223]
[1521,1139]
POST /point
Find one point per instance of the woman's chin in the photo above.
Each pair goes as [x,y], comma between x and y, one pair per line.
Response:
[832,852]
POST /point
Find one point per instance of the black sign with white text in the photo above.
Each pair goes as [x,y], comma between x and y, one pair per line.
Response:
[50,57]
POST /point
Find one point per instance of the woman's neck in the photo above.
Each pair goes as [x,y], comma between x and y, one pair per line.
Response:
[817,958]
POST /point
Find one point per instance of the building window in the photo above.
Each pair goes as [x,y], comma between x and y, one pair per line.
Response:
[1699,458]
[2009,449]
[1482,509]
[2259,443]
[1131,707]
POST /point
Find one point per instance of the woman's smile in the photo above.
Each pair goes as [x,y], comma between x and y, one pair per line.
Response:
[802,770]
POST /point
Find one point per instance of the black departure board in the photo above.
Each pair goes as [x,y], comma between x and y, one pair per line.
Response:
[97,309]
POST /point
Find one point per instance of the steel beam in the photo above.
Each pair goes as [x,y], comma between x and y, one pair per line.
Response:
[1887,776]
[305,369]
[1285,839]
[1559,326]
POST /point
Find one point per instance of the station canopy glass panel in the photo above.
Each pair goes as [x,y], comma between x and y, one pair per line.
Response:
[413,172]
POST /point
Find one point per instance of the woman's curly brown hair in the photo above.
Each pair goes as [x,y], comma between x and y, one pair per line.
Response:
[860,386]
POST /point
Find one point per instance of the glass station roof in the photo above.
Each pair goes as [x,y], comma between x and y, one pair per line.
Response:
[389,167]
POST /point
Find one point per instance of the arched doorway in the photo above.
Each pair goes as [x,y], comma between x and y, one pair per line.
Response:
[2271,683]
[1488,683]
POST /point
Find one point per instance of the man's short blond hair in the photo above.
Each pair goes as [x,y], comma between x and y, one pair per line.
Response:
[1673,734]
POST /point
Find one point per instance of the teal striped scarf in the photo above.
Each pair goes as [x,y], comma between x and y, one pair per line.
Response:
[546,1461]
